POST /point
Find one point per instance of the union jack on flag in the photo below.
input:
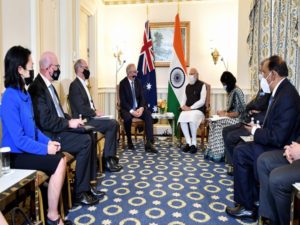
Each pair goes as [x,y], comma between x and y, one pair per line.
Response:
[146,70]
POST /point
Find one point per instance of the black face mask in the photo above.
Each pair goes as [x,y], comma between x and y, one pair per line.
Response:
[55,74]
[86,74]
[29,80]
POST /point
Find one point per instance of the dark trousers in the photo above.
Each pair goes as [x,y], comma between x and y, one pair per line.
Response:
[276,177]
[79,145]
[109,128]
[146,116]
[231,137]
[245,173]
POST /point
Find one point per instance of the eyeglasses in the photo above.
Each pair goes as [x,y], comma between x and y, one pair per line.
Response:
[57,65]
[134,71]
[84,67]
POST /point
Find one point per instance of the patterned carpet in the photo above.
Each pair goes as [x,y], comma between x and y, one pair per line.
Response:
[170,188]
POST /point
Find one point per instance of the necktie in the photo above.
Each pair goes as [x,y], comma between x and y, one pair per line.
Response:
[56,102]
[268,110]
[134,106]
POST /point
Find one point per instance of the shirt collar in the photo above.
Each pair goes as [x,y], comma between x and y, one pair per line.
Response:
[276,87]
[47,82]
[81,80]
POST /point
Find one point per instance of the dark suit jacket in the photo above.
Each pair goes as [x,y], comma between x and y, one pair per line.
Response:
[44,109]
[282,119]
[126,100]
[79,101]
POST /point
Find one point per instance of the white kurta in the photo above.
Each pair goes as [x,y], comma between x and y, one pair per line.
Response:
[195,115]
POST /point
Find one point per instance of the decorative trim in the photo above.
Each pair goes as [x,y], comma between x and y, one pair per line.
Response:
[124,2]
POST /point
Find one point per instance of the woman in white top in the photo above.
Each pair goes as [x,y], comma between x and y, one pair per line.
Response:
[193,110]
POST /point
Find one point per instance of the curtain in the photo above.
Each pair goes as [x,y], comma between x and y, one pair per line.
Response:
[274,31]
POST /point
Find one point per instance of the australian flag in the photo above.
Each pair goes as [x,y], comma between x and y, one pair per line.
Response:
[146,70]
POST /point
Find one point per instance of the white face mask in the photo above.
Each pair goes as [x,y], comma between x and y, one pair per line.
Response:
[192,79]
[225,87]
[260,76]
[264,85]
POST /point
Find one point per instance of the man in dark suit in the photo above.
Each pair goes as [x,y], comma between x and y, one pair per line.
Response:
[277,130]
[59,126]
[81,103]
[255,109]
[133,104]
[278,171]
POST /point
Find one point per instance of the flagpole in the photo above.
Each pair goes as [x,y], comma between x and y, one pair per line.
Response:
[147,12]
[178,7]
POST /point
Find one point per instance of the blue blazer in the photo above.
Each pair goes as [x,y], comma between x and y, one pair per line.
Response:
[18,127]
[282,119]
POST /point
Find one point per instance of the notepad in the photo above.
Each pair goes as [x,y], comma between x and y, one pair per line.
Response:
[105,117]
[247,138]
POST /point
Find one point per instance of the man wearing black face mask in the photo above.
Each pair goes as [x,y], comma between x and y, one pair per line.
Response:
[59,126]
[81,103]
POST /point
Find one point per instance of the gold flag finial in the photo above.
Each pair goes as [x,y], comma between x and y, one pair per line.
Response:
[178,7]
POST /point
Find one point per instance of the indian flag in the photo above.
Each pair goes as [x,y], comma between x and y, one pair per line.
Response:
[177,73]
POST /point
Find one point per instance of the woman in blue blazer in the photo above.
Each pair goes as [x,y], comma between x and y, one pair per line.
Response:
[30,148]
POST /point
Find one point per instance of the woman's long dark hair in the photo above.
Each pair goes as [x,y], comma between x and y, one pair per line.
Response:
[228,79]
[16,56]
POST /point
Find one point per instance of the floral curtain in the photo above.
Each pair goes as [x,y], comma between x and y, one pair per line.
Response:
[274,31]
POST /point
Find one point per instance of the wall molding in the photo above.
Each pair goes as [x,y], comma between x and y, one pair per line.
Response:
[106,98]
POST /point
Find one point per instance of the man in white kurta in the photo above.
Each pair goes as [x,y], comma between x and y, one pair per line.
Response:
[193,109]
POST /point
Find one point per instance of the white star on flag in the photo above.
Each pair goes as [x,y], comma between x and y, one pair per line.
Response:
[155,108]
[148,86]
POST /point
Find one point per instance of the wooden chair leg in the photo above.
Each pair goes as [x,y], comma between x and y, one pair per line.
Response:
[123,137]
[41,206]
[100,154]
[68,173]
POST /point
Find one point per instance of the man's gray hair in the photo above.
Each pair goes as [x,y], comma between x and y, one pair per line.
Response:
[128,67]
[77,65]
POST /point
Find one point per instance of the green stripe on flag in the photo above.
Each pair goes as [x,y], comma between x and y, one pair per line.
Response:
[173,106]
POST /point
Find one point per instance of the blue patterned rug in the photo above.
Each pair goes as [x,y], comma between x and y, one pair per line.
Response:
[170,188]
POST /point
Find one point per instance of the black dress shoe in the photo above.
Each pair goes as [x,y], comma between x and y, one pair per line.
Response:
[193,149]
[186,148]
[85,198]
[131,146]
[116,159]
[56,222]
[111,166]
[97,193]
[240,212]
[150,148]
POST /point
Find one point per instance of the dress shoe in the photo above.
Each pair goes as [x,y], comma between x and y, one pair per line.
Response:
[186,148]
[150,148]
[85,198]
[111,166]
[56,222]
[256,204]
[97,193]
[240,212]
[116,159]
[131,146]
[193,149]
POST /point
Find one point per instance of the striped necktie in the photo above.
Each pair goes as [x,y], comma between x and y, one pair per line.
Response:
[56,102]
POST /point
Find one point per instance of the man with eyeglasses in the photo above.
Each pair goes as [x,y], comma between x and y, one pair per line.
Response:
[133,105]
[59,126]
[82,105]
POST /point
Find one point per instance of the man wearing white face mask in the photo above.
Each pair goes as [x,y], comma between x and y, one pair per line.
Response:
[278,129]
[193,109]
